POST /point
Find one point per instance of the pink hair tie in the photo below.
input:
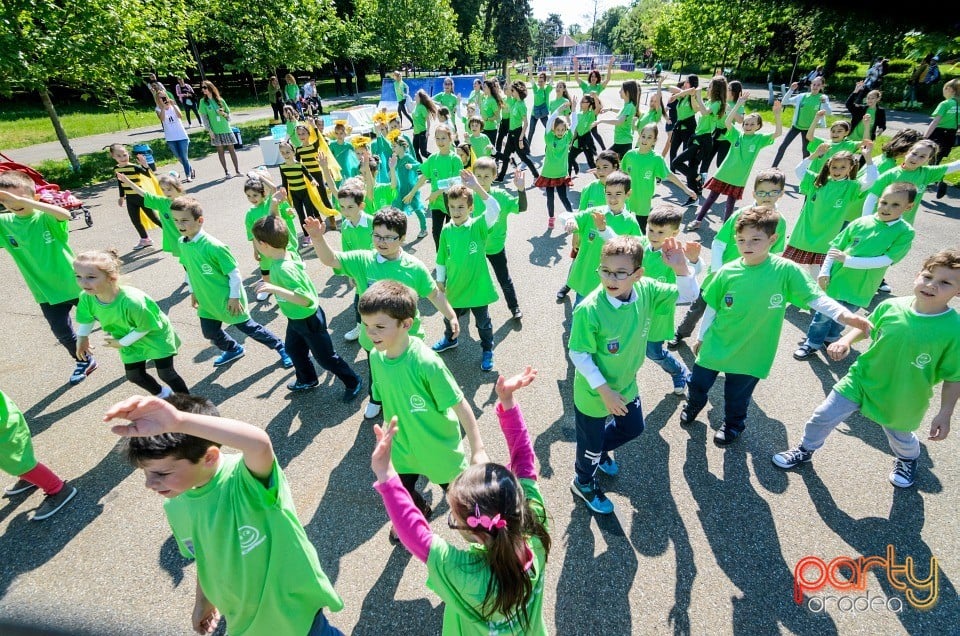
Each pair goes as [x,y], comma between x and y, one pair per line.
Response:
[485,521]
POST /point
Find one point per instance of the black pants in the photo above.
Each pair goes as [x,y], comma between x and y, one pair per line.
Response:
[595,439]
[533,126]
[137,373]
[192,107]
[491,135]
[682,134]
[737,391]
[562,192]
[513,146]
[481,315]
[499,263]
[439,217]
[304,207]
[134,205]
[310,335]
[585,145]
[409,482]
[57,316]
[277,107]
[502,130]
[692,317]
[792,134]
[621,149]
[689,162]
[214,332]
[642,222]
[720,148]
[401,110]
[420,145]
[595,134]
[322,188]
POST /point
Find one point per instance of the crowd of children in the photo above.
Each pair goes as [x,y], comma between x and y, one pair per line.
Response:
[630,269]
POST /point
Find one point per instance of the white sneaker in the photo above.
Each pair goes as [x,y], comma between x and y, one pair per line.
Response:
[353,334]
[372,410]
[262,296]
[147,242]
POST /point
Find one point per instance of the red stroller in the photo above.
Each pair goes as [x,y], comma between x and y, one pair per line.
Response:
[50,192]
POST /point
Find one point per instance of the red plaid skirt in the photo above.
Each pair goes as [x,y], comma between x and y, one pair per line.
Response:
[803,257]
[715,185]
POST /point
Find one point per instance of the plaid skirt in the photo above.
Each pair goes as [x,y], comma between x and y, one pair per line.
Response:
[547,182]
[803,257]
[721,187]
[224,139]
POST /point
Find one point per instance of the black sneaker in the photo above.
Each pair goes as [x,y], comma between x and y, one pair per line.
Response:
[20,487]
[517,314]
[562,293]
[793,457]
[673,344]
[884,288]
[726,436]
[902,475]
[805,352]
[51,504]
[686,419]
[349,395]
[942,189]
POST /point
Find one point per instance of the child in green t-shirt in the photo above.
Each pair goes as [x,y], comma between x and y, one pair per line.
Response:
[857,259]
[216,286]
[608,339]
[892,381]
[35,234]
[356,231]
[260,192]
[416,388]
[555,171]
[133,322]
[839,141]
[299,301]
[645,168]
[462,272]
[753,290]
[485,171]
[481,144]
[440,169]
[495,585]
[232,513]
[17,459]
[171,188]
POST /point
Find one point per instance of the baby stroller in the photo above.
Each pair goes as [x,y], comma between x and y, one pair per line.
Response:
[50,192]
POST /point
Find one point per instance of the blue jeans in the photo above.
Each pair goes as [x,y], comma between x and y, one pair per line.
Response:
[737,391]
[824,330]
[214,332]
[180,148]
[670,363]
[596,438]
[321,627]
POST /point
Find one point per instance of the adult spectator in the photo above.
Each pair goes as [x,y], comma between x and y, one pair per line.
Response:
[291,93]
[171,118]
[187,99]
[932,77]
[311,98]
[216,119]
[912,93]
[276,96]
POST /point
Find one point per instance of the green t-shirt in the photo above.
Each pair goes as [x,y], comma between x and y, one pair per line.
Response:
[556,103]
[727,235]
[743,152]
[359,236]
[131,310]
[644,170]
[461,578]
[586,87]
[654,267]
[808,106]
[593,196]
[366,267]
[518,113]
[254,560]
[208,262]
[616,339]
[893,379]
[384,195]
[623,133]
[556,155]
[219,125]
[419,117]
[421,393]
[857,133]
[921,177]
[171,235]
[449,100]
[867,236]
[847,144]
[731,105]
[497,235]
[481,144]
[823,212]
[541,95]
[291,275]
[708,123]
[436,167]
[401,90]
[885,163]
[292,134]
[462,251]
[685,108]
[382,147]
[583,277]
[584,124]
[755,295]
[490,112]
[346,158]
[38,245]
[256,213]
[16,447]
[947,112]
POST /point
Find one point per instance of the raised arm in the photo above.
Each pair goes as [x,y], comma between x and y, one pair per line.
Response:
[522,459]
[609,72]
[315,230]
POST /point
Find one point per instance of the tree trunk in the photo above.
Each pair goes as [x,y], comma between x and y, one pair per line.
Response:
[58,128]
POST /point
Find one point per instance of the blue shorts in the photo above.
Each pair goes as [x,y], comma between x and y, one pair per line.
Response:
[540,111]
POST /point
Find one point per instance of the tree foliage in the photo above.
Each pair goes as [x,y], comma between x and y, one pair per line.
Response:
[511,32]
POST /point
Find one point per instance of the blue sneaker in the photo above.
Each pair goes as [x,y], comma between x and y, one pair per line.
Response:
[609,466]
[82,370]
[285,358]
[350,394]
[680,385]
[593,496]
[229,356]
[486,363]
[302,386]
[443,344]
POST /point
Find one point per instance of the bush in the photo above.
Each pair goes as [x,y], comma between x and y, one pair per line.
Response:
[900,66]
[847,66]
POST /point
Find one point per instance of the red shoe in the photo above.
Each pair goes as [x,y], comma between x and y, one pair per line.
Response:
[550,222]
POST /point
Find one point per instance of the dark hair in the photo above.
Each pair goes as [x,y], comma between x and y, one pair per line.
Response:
[521,88]
[632,89]
[591,99]
[187,204]
[213,93]
[390,297]
[494,90]
[429,104]
[624,246]
[351,191]
[693,80]
[374,162]
[842,155]
[665,215]
[770,175]
[492,489]
[392,219]
[906,187]
[255,184]
[565,94]
[717,92]
[443,111]
[271,230]
[176,445]
[618,178]
[468,149]
[762,218]
[610,157]
[736,89]
[475,120]
[16,179]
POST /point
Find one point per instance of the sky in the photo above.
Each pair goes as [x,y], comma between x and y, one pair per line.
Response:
[579,11]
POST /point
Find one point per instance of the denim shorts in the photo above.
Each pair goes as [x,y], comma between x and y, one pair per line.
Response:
[540,111]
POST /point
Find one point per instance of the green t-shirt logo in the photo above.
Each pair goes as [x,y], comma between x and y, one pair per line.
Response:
[250,538]
[47,237]
[206,270]
[922,361]
[473,247]
[776,301]
[728,300]
[591,235]
[613,346]
[417,404]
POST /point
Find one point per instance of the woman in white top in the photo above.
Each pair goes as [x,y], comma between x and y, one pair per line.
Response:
[174,133]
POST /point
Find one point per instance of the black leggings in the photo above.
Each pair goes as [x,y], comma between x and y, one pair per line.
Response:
[304,206]
[513,146]
[409,482]
[402,110]
[439,217]
[596,137]
[694,160]
[562,192]
[502,130]
[193,107]
[277,107]
[621,149]
[585,145]
[491,135]
[134,205]
[420,145]
[682,134]
[137,373]
[720,148]
[792,134]
[321,188]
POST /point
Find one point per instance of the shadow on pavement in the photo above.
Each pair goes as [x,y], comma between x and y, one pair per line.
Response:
[382,613]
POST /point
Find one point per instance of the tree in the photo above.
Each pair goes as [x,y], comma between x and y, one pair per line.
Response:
[511,33]
[546,33]
[412,31]
[98,45]
[468,14]
[606,27]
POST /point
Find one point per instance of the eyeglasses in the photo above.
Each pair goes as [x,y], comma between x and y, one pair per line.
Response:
[767,195]
[606,273]
[385,239]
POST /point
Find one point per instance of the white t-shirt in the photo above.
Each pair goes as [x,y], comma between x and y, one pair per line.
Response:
[173,129]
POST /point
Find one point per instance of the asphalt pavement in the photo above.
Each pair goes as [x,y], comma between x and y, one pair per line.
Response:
[704,540]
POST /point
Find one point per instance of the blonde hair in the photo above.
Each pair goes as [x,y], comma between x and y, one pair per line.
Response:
[107,261]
